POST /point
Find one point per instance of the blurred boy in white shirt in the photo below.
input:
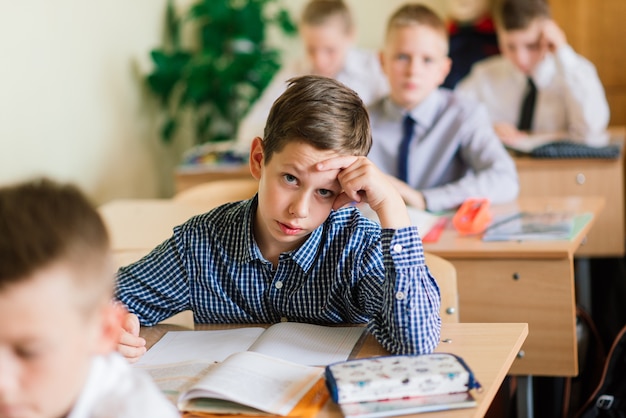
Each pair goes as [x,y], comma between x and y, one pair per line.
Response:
[58,327]
[537,65]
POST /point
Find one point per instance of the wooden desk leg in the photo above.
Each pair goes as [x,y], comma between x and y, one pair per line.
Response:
[582,277]
[525,397]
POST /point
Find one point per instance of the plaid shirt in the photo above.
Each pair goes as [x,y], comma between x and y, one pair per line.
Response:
[349,270]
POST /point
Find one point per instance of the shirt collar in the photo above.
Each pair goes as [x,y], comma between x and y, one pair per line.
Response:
[424,113]
[242,244]
[245,249]
[542,75]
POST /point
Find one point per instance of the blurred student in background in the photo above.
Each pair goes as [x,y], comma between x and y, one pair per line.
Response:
[440,148]
[327,32]
[472,36]
[539,84]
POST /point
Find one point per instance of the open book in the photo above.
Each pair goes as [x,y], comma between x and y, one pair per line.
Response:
[248,383]
[425,221]
[246,370]
[523,226]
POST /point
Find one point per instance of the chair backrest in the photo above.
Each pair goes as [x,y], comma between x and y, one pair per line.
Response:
[445,274]
[218,192]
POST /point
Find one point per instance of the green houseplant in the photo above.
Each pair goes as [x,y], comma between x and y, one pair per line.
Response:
[221,68]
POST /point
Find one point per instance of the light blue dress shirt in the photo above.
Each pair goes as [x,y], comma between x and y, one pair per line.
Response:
[454,155]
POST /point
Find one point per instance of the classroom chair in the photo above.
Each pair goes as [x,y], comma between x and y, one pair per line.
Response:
[445,274]
[218,192]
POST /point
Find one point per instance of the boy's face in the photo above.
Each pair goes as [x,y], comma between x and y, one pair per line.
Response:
[415,62]
[294,196]
[523,47]
[46,344]
[326,46]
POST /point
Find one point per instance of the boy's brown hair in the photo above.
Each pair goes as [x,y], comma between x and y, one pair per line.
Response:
[318,12]
[43,222]
[321,112]
[417,14]
[519,14]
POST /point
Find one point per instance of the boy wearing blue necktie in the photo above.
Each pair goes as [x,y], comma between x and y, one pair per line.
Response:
[439,149]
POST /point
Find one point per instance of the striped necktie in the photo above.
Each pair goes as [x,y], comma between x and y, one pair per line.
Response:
[408,127]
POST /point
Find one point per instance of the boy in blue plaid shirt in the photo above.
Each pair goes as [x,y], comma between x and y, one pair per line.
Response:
[295,251]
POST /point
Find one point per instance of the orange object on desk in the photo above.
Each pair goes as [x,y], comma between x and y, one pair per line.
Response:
[472,217]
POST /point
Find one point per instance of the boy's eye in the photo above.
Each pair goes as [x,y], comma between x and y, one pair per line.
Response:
[428,60]
[326,193]
[289,178]
[403,57]
[27,353]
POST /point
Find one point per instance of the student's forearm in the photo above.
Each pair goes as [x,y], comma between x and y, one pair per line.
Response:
[409,321]
[585,99]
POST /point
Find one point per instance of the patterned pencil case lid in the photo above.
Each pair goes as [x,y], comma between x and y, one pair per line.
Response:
[392,377]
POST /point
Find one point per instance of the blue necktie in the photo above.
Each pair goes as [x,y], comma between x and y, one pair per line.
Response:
[408,126]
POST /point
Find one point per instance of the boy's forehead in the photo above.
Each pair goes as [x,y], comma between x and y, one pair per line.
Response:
[307,153]
[419,29]
[532,30]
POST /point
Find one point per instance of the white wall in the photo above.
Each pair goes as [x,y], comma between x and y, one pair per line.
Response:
[72,104]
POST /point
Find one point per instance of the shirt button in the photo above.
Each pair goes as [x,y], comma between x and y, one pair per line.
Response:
[397,248]
[278,285]
[400,295]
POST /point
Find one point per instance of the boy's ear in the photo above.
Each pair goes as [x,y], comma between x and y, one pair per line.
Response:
[112,318]
[381,59]
[256,157]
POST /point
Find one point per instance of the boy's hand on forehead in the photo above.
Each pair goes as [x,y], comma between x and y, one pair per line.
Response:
[362,181]
[552,36]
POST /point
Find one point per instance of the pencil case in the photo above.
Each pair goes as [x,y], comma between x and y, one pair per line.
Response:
[393,377]
[472,217]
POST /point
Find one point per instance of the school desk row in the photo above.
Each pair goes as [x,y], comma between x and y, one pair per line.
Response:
[521,282]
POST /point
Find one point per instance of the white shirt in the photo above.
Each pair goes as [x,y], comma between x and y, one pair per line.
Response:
[361,72]
[454,153]
[115,390]
[570,95]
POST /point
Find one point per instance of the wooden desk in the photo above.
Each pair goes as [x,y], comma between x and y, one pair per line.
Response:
[530,282]
[590,177]
[184,179]
[141,224]
[489,349]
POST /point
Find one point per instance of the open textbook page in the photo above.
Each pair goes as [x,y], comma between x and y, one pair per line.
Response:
[249,380]
[181,358]
[424,220]
[309,344]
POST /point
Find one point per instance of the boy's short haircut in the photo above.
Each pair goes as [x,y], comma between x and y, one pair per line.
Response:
[43,222]
[318,12]
[417,14]
[321,112]
[519,14]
